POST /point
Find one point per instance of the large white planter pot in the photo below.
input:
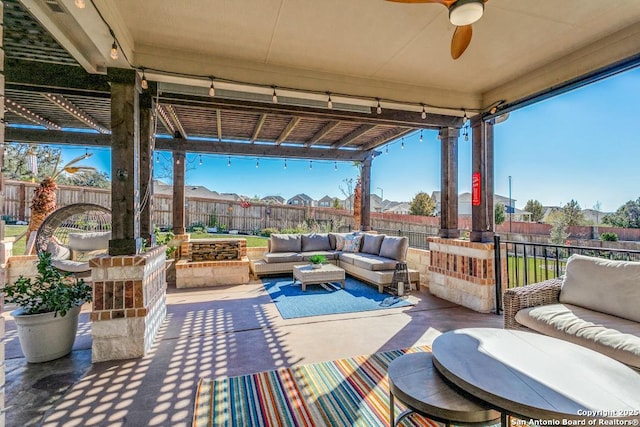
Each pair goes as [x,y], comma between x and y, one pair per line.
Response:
[45,337]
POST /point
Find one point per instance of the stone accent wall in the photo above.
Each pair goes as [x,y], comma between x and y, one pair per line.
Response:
[213,250]
[419,259]
[129,304]
[463,272]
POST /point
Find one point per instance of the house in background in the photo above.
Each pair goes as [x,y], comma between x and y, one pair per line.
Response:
[273,200]
[196,191]
[301,200]
[325,202]
[464,206]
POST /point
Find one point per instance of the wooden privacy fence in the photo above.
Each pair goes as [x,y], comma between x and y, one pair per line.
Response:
[257,216]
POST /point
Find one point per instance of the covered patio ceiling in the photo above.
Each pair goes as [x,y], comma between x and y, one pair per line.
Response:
[361,53]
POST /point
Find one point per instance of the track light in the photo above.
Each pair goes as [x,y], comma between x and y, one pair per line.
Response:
[329,101]
[379,108]
[424,113]
[143,83]
[212,89]
[228,161]
[114,50]
[420,135]
[80,4]
[274,98]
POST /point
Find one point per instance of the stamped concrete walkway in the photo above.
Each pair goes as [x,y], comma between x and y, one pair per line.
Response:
[222,331]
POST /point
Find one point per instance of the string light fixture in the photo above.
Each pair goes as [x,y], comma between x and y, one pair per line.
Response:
[285,163]
[257,163]
[420,135]
[310,164]
[386,149]
[157,158]
[143,83]
[212,89]
[402,144]
[335,166]
[465,119]
[114,50]
[200,162]
[228,161]
[114,54]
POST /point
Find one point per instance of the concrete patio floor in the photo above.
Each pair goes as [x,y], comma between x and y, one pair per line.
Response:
[212,332]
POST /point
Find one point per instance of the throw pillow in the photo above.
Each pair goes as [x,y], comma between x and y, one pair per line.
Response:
[371,243]
[340,242]
[352,244]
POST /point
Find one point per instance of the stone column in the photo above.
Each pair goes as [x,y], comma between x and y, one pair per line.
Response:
[129,304]
[482,216]
[125,159]
[449,183]
[365,186]
[178,192]
[146,167]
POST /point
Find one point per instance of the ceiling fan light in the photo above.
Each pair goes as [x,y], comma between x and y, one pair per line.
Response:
[466,12]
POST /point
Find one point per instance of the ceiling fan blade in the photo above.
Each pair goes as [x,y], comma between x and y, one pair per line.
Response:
[460,40]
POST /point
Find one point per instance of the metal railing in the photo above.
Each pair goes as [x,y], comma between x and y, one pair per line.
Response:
[528,263]
[417,239]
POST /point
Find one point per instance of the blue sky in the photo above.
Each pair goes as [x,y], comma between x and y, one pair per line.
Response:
[582,145]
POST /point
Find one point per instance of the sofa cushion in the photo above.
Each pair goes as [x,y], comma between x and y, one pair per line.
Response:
[330,255]
[86,255]
[613,336]
[346,257]
[611,287]
[371,243]
[352,243]
[394,248]
[89,241]
[285,243]
[275,257]
[71,266]
[58,251]
[334,238]
[374,262]
[315,242]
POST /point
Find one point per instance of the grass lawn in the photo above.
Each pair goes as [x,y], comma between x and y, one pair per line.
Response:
[537,270]
[13,231]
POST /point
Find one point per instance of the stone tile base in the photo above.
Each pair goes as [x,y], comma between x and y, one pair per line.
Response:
[212,273]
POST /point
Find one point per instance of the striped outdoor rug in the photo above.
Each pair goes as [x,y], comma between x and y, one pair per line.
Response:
[345,392]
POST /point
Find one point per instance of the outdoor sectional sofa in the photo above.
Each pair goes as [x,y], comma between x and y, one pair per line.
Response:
[595,305]
[368,257]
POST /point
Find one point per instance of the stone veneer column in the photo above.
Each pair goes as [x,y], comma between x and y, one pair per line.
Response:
[463,272]
[129,304]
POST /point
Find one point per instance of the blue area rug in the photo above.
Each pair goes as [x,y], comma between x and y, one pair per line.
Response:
[318,300]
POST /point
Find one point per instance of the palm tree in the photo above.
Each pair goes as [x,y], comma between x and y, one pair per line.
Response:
[44,196]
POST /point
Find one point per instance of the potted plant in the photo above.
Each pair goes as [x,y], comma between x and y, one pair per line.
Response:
[317,260]
[47,317]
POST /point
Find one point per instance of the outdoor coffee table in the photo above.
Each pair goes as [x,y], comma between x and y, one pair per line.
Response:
[536,376]
[308,275]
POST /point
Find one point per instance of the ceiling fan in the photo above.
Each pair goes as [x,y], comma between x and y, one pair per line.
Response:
[462,13]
